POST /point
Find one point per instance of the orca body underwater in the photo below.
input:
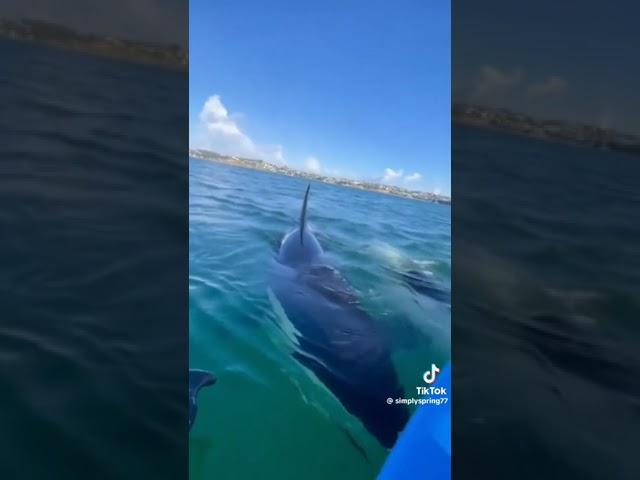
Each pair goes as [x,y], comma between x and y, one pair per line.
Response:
[338,341]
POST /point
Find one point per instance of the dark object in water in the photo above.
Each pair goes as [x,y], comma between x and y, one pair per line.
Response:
[197,380]
[338,341]
[422,284]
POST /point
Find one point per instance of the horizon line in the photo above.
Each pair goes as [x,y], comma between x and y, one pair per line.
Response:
[320,174]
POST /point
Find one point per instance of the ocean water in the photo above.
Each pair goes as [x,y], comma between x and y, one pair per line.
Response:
[266,417]
[546,288]
[93,288]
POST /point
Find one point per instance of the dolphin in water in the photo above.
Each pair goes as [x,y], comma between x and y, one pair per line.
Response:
[197,380]
[336,339]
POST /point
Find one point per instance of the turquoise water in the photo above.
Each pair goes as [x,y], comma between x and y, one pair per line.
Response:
[267,417]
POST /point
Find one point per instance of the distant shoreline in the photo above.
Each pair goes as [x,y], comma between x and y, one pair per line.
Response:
[56,36]
[557,131]
[261,165]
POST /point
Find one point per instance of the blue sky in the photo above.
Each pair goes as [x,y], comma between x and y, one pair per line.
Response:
[359,89]
[564,60]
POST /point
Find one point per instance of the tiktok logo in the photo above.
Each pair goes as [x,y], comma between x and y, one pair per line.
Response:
[430,375]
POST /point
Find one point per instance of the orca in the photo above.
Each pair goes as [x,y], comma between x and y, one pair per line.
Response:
[336,338]
[197,380]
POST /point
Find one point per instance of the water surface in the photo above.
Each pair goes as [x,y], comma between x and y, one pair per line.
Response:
[94,266]
[546,305]
[267,417]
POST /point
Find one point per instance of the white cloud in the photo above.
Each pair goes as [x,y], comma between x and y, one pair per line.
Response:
[494,84]
[220,132]
[391,175]
[398,176]
[494,81]
[312,164]
[551,86]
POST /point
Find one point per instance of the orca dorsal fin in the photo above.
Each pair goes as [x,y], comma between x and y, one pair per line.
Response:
[303,214]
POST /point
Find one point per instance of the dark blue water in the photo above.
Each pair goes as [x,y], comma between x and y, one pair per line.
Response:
[93,287]
[546,285]
[268,416]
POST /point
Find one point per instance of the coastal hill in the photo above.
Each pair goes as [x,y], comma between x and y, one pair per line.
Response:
[504,120]
[292,172]
[53,35]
